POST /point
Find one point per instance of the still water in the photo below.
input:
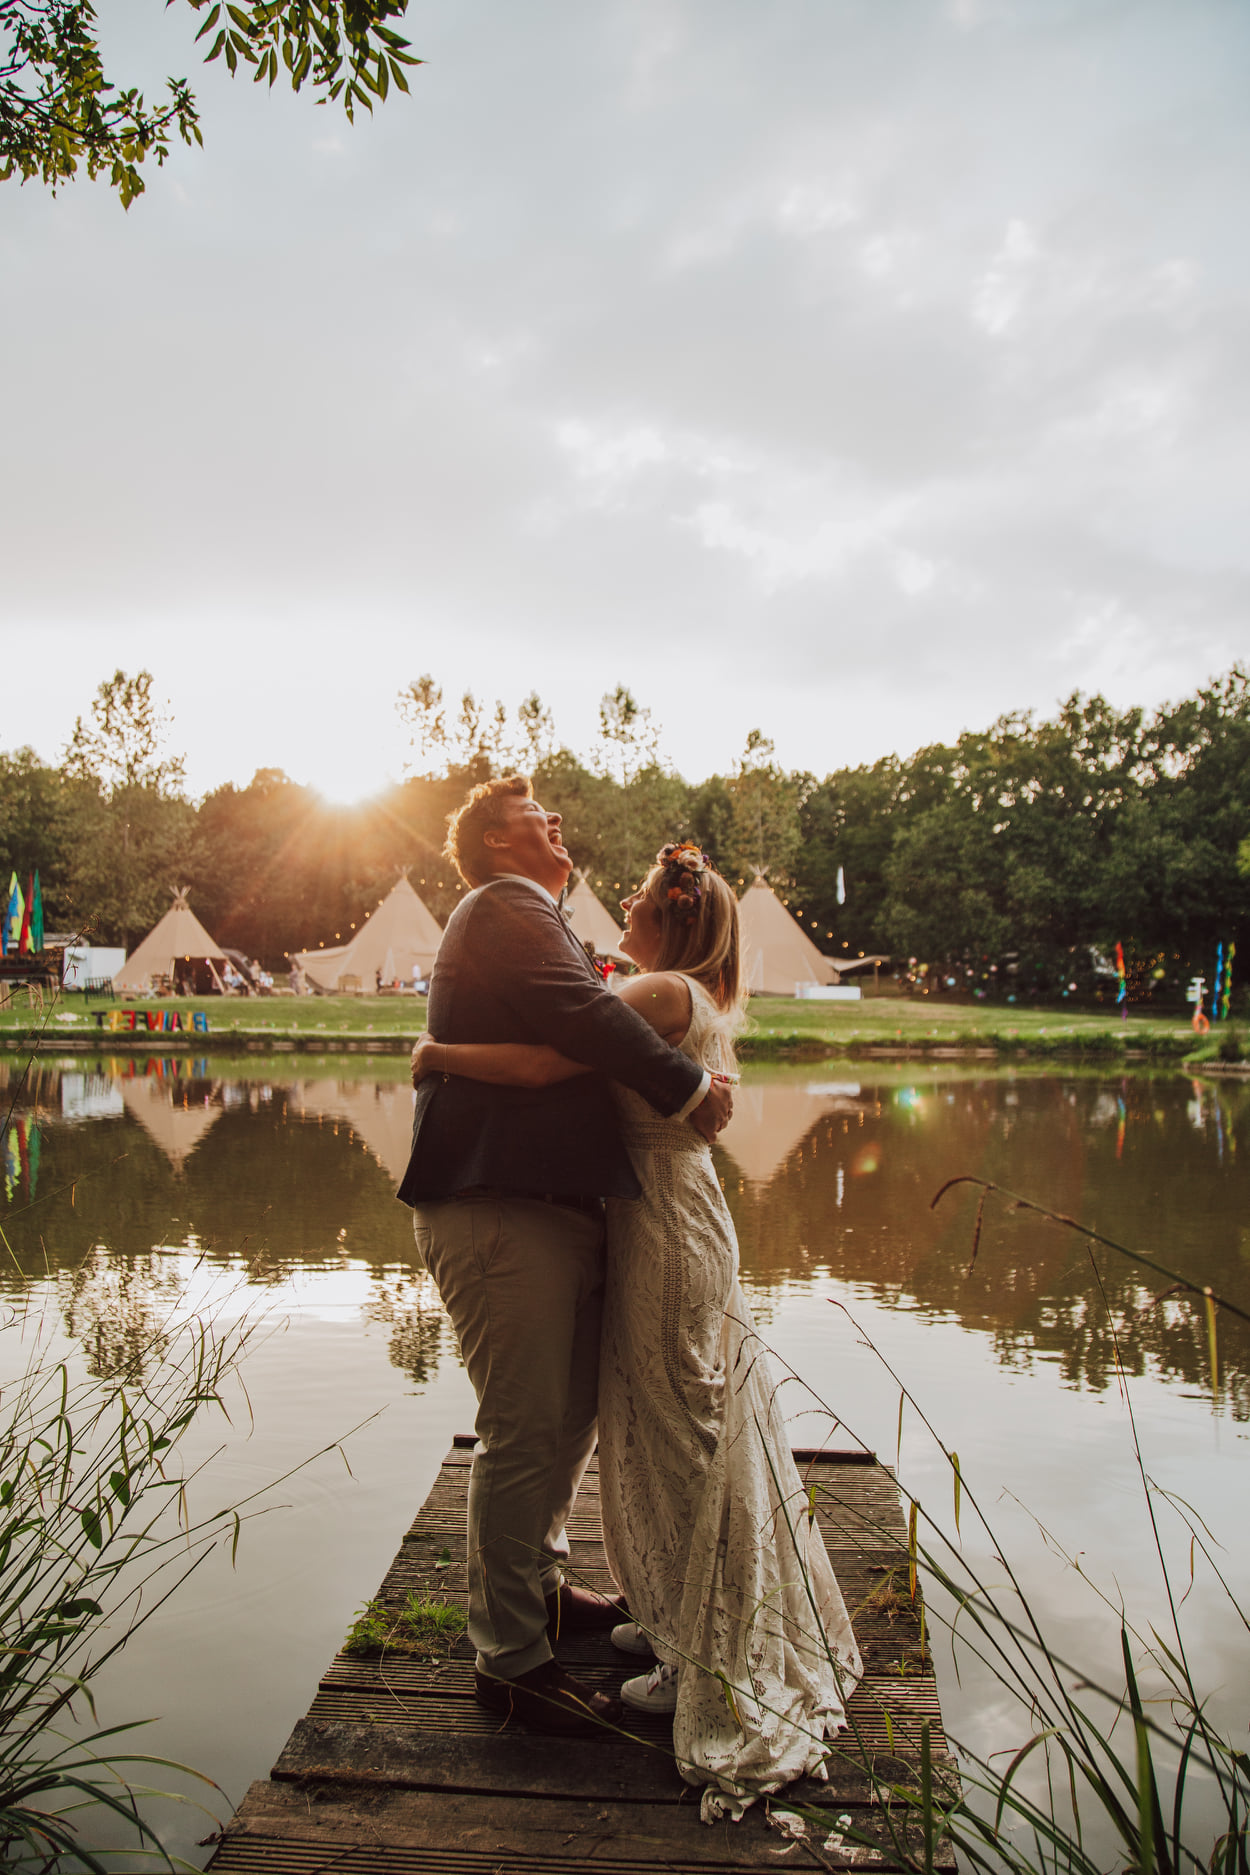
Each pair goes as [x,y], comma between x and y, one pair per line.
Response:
[131,1188]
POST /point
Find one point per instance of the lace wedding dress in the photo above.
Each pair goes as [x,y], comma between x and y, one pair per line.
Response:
[704,1516]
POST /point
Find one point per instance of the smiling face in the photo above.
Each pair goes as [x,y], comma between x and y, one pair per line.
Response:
[643,928]
[526,840]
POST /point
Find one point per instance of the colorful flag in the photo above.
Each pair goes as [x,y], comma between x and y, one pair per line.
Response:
[36,914]
[17,907]
[23,942]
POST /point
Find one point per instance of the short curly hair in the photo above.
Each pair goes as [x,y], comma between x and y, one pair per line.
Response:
[465,845]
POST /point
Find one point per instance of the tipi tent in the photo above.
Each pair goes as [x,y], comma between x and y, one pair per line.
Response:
[178,949]
[591,921]
[777,954]
[402,932]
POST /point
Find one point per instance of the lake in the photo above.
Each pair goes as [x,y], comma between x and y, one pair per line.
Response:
[136,1188]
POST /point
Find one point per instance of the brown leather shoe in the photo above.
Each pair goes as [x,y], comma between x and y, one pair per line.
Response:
[572,1610]
[548,1699]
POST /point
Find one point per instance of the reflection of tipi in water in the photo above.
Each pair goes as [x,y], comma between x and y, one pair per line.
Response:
[771,1119]
[378,1112]
[176,1129]
[591,921]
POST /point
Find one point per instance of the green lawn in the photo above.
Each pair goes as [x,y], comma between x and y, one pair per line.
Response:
[778,1026]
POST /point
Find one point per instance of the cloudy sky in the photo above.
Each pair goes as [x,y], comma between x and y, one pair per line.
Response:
[855,370]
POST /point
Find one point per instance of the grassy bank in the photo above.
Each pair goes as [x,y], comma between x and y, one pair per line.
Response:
[779,1028]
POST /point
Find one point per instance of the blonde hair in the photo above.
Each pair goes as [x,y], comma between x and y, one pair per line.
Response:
[705,947]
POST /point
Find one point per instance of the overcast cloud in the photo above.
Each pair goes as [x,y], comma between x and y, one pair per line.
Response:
[859,371]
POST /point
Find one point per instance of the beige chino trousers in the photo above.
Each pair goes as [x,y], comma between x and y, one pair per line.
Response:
[522,1281]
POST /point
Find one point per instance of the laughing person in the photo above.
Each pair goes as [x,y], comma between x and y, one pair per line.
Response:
[507,1185]
[705,1518]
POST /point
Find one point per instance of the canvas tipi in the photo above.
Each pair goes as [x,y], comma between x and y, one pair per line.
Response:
[177,950]
[401,934]
[778,957]
[591,921]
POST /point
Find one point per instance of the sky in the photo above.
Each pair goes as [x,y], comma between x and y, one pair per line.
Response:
[857,372]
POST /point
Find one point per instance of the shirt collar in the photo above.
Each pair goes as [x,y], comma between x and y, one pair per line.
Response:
[524,879]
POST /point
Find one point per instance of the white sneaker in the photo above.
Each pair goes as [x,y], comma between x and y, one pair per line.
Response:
[629,1637]
[652,1692]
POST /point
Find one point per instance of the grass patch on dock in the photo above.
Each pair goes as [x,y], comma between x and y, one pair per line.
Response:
[427,1628]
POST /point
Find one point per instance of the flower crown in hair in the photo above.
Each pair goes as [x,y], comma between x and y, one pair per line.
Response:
[684,865]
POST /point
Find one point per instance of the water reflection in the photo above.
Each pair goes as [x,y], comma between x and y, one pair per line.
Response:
[273,1172]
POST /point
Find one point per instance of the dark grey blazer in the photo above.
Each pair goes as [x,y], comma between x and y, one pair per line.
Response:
[510,970]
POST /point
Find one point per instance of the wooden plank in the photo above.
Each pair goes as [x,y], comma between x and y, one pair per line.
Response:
[396,1766]
[279,1827]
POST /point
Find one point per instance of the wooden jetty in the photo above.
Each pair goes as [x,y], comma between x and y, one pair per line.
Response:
[397,1768]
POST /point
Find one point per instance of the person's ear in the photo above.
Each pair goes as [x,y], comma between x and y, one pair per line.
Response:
[494,836]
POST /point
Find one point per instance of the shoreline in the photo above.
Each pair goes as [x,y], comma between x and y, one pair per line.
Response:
[1158,1050]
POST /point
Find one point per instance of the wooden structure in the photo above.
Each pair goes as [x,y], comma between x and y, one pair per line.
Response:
[397,1768]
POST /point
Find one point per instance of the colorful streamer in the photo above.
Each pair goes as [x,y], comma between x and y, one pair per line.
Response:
[8,936]
[1121,995]
[1222,994]
[36,915]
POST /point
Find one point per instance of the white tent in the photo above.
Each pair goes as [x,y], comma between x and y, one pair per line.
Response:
[779,958]
[179,949]
[591,921]
[402,932]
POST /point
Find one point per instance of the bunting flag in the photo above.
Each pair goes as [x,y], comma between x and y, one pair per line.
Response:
[36,914]
[1121,994]
[23,942]
[8,935]
[1218,983]
[1227,996]
[841,887]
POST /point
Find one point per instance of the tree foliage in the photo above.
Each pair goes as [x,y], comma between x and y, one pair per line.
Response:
[1025,851]
[60,111]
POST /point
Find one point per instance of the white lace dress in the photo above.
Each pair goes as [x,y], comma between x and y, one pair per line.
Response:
[704,1515]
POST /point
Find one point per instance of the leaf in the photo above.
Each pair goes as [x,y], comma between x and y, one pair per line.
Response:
[958,1483]
[74,1610]
[444,1561]
[912,1519]
[730,1701]
[119,1484]
[898,1453]
[93,1528]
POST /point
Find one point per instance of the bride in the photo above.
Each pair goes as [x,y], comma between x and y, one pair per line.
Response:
[705,1519]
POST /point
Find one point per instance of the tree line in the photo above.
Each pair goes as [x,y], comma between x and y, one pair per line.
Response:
[1021,854]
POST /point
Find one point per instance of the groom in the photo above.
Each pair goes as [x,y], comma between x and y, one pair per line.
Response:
[506,1185]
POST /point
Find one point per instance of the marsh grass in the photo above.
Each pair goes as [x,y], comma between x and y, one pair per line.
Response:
[1127,1774]
[99,1527]
[1103,1777]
